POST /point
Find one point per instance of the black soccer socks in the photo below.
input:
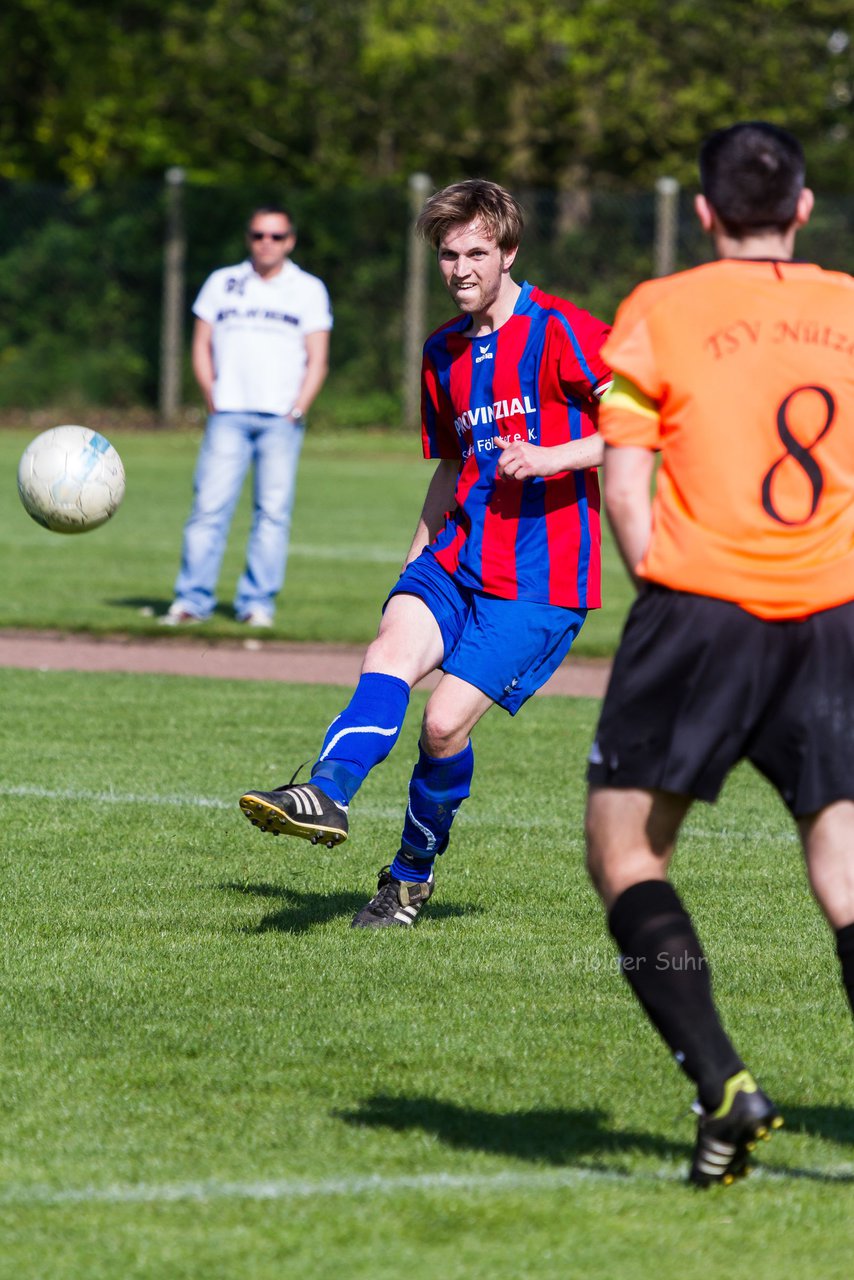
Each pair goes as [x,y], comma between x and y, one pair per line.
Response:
[664,964]
[845,951]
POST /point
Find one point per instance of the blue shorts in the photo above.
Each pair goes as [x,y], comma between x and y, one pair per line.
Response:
[506,648]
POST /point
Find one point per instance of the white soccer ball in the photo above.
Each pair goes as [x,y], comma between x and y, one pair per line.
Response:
[70,479]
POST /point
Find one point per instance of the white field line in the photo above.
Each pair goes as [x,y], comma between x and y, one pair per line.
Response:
[299,1189]
[27,791]
[304,1189]
[73,794]
[353,553]
[110,797]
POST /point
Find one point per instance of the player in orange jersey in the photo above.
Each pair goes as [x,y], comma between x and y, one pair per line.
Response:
[740,644]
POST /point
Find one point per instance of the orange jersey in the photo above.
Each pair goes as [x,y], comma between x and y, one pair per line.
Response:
[749,366]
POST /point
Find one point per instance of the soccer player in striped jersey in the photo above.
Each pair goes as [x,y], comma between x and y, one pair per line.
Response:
[505,560]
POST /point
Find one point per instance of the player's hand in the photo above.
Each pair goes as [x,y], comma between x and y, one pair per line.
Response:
[519,459]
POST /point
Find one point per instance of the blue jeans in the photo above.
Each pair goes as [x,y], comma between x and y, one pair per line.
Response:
[231,442]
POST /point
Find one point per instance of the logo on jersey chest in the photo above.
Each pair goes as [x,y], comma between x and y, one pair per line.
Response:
[485,414]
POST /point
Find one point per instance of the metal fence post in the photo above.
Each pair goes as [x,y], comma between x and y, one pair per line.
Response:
[666,225]
[415,314]
[172,317]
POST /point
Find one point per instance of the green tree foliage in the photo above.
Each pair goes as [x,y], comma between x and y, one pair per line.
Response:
[83,83]
[325,93]
[666,74]
[77,279]
[577,105]
[552,94]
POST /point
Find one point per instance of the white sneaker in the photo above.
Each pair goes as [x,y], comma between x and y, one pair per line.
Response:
[257,617]
[178,616]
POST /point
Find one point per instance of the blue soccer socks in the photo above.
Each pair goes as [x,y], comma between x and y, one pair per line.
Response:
[436,791]
[411,870]
[362,736]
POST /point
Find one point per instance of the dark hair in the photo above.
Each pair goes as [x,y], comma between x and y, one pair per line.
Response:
[474,200]
[752,174]
[278,209]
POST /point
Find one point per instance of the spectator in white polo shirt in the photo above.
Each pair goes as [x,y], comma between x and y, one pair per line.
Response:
[260,356]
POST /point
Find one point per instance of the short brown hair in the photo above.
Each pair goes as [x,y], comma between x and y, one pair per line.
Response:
[474,200]
[752,175]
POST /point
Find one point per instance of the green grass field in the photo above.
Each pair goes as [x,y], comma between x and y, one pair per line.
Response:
[358,500]
[205,1073]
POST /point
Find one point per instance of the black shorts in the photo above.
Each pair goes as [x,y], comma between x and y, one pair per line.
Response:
[699,684]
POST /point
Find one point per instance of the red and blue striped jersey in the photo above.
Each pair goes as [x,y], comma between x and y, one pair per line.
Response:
[534,378]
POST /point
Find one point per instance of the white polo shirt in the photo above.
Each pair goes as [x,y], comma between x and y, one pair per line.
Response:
[258,331]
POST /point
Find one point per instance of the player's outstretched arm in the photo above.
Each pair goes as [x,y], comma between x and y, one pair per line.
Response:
[519,459]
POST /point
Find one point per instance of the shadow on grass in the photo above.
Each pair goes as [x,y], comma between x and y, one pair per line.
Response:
[829,1124]
[567,1137]
[558,1137]
[833,1124]
[302,911]
[157,606]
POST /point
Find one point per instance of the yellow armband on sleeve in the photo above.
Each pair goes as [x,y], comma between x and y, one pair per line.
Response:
[623,394]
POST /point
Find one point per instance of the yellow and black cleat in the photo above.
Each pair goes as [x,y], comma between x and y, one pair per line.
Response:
[302,810]
[726,1137]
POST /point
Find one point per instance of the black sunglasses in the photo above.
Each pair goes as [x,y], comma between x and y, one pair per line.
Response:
[270,235]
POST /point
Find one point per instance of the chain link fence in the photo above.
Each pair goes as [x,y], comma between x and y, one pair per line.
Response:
[96,288]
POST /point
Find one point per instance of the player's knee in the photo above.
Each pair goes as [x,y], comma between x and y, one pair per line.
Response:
[441,733]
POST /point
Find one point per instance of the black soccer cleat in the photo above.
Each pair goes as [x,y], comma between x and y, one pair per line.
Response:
[726,1137]
[303,810]
[396,902]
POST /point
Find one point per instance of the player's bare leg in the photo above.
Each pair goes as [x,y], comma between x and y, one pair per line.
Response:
[828,840]
[409,642]
[631,836]
[453,710]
